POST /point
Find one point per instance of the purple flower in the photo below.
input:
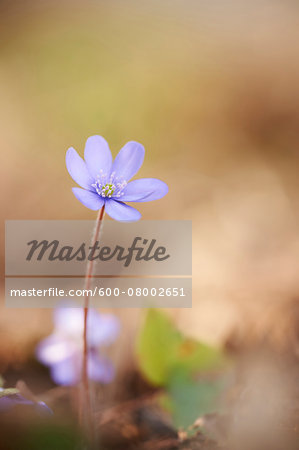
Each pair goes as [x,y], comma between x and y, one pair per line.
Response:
[62,350]
[106,182]
[10,400]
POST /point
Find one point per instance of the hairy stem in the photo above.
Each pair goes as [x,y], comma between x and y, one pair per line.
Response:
[86,397]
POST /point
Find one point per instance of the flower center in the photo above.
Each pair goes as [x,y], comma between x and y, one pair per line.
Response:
[107,190]
[109,186]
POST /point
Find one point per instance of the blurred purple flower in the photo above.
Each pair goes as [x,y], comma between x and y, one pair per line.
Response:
[105,182]
[62,351]
[9,401]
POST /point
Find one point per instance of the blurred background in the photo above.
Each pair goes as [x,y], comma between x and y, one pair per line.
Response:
[211,90]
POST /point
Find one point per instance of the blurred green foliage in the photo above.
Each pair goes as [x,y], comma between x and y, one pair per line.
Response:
[9,391]
[173,361]
[188,399]
[51,437]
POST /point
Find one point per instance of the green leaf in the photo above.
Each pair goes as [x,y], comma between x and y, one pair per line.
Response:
[189,399]
[193,355]
[157,347]
[162,350]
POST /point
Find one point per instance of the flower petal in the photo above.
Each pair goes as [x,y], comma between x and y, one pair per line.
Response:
[144,190]
[43,409]
[121,211]
[7,402]
[103,329]
[97,156]
[78,170]
[99,368]
[129,160]
[54,349]
[69,321]
[68,371]
[89,199]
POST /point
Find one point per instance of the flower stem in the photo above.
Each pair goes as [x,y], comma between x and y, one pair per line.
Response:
[86,397]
